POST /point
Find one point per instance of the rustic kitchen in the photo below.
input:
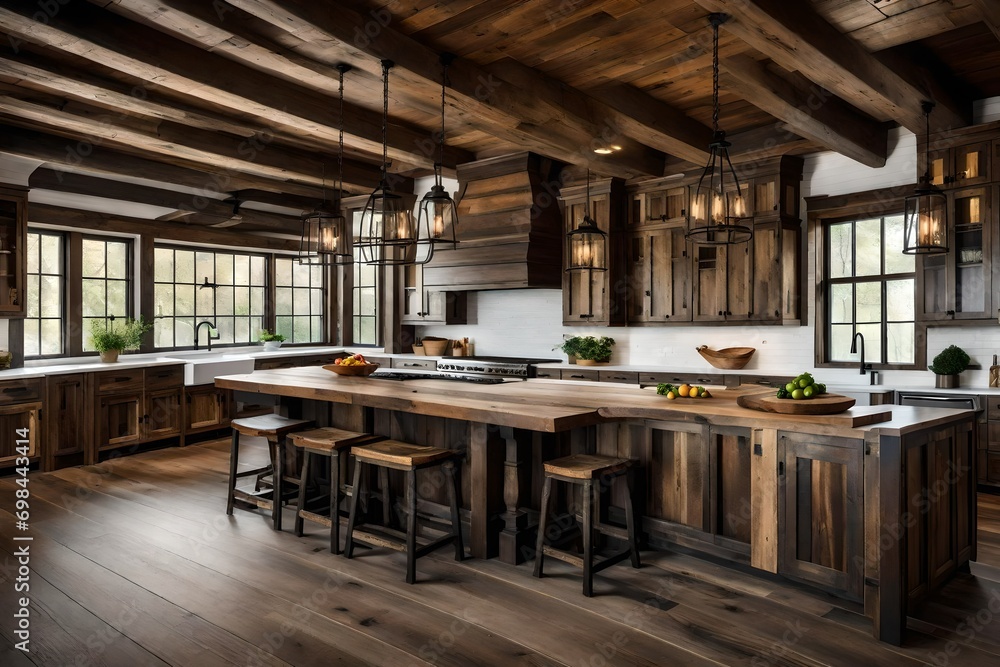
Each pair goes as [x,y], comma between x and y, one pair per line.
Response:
[623,332]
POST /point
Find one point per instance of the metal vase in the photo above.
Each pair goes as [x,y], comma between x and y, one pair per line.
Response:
[946,381]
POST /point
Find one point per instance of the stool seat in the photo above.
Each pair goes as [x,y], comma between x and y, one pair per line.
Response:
[401,454]
[585,466]
[328,438]
[269,426]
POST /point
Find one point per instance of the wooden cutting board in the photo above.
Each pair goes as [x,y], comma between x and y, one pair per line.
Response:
[828,408]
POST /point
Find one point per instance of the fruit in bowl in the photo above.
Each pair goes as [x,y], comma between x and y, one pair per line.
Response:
[356,365]
[802,387]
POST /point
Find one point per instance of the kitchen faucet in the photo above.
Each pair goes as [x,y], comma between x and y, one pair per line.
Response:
[211,328]
[854,350]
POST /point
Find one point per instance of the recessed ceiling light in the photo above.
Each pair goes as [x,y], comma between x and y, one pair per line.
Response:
[603,151]
[615,147]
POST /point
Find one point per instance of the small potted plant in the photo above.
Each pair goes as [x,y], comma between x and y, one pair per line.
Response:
[589,350]
[947,365]
[110,337]
[272,341]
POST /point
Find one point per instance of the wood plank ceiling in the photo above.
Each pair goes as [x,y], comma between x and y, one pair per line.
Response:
[172,103]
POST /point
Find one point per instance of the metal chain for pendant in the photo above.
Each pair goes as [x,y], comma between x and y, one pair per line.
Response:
[715,75]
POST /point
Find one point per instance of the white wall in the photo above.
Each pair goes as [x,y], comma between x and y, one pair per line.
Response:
[529,322]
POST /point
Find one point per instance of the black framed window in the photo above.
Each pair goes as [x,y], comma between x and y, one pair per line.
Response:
[870,288]
[44,323]
[299,290]
[365,293]
[106,273]
[223,287]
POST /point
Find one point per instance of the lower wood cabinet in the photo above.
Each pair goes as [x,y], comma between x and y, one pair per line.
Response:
[207,408]
[68,418]
[136,405]
[17,420]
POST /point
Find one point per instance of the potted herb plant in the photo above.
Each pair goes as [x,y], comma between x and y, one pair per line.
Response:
[589,350]
[272,341]
[110,337]
[947,365]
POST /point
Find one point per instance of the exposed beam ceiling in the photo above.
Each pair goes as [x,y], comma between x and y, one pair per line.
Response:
[990,10]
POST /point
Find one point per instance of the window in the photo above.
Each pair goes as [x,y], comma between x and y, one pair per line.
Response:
[225,288]
[298,300]
[870,290]
[365,295]
[43,324]
[107,282]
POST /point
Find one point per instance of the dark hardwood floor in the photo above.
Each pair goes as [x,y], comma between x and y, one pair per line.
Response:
[134,562]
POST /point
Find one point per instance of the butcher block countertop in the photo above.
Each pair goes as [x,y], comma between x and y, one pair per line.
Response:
[551,405]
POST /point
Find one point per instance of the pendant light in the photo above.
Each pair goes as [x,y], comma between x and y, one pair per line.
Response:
[438,215]
[388,230]
[925,222]
[717,214]
[326,238]
[587,243]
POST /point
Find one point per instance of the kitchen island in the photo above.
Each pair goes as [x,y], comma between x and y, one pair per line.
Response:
[875,505]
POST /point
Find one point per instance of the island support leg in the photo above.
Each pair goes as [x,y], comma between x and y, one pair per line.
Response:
[485,464]
[885,599]
[515,542]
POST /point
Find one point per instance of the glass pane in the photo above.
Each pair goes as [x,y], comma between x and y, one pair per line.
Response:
[283,300]
[93,259]
[300,274]
[163,333]
[868,247]
[869,302]
[841,304]
[282,272]
[241,330]
[224,301]
[316,276]
[31,341]
[258,272]
[163,297]
[357,331]
[204,301]
[117,298]
[51,337]
[283,326]
[184,332]
[163,265]
[256,324]
[366,301]
[225,325]
[301,324]
[895,260]
[301,301]
[51,259]
[204,267]
[899,300]
[241,270]
[117,260]
[316,307]
[317,329]
[241,298]
[841,250]
[840,342]
[33,300]
[368,335]
[902,345]
[93,298]
[256,300]
[224,269]
[184,264]
[184,300]
[873,342]
[51,302]
[34,241]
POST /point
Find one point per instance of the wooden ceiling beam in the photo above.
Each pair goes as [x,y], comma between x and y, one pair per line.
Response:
[257,155]
[485,100]
[59,153]
[168,231]
[796,37]
[991,14]
[809,110]
[138,51]
[209,211]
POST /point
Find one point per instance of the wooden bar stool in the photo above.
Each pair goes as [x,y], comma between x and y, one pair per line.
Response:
[585,470]
[409,458]
[325,442]
[275,429]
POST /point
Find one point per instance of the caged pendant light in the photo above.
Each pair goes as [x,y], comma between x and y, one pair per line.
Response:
[438,215]
[389,234]
[925,222]
[717,214]
[587,243]
[326,238]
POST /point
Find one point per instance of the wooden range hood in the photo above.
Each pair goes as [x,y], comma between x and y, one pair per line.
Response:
[510,227]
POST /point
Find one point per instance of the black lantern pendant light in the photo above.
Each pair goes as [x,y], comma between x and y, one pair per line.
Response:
[388,228]
[438,217]
[717,214]
[925,225]
[587,243]
[326,238]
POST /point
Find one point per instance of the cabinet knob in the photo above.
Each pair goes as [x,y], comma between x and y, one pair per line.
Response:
[777,313]
[720,313]
[950,313]
[729,312]
[666,317]
[648,293]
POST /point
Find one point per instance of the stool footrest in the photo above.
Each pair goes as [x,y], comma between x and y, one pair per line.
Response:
[321,519]
[256,471]
[374,539]
[261,499]
[564,556]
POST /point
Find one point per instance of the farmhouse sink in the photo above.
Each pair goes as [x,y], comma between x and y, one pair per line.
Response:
[202,366]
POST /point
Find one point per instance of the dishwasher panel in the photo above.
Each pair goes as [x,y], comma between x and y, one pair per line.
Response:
[927,400]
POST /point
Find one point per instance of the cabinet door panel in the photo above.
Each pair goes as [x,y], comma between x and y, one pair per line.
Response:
[14,418]
[710,283]
[66,409]
[739,282]
[767,273]
[669,277]
[163,414]
[13,264]
[206,408]
[118,420]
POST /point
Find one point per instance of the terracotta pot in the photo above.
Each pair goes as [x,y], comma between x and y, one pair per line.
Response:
[590,362]
[946,381]
[109,356]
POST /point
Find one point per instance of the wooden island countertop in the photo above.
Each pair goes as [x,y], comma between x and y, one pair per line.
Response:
[875,504]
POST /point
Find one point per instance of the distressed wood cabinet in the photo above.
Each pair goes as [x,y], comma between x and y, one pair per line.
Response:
[13,250]
[68,416]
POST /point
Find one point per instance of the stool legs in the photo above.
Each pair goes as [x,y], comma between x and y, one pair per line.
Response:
[630,520]
[335,502]
[279,485]
[543,519]
[411,526]
[306,462]
[234,458]
[456,517]
[588,536]
[353,516]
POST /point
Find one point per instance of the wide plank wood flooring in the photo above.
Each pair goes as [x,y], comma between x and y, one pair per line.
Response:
[134,562]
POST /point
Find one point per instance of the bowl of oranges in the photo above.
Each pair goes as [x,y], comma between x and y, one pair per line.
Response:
[355,365]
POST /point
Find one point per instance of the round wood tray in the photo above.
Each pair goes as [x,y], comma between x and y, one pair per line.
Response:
[826,404]
[355,371]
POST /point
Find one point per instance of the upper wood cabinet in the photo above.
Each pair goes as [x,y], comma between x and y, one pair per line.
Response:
[13,251]
[596,297]
[964,165]
[659,276]
[422,305]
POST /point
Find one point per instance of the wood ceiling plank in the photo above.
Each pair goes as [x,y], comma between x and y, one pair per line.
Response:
[810,111]
[990,11]
[799,39]
[503,109]
[159,59]
[910,26]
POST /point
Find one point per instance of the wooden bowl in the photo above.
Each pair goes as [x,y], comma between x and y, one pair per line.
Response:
[356,371]
[435,347]
[730,358]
